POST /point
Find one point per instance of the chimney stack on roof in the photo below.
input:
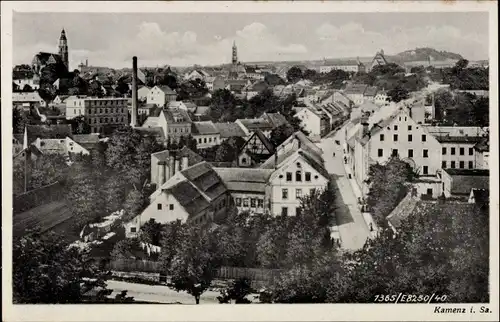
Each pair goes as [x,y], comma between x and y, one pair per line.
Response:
[133,121]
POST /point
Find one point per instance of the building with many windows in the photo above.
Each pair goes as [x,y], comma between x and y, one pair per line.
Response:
[206,134]
[100,113]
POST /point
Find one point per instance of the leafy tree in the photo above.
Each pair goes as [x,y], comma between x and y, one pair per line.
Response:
[19,120]
[122,87]
[310,74]
[194,263]
[48,169]
[222,100]
[95,89]
[294,74]
[79,125]
[335,78]
[46,271]
[387,187]
[281,133]
[171,239]
[398,94]
[123,249]
[273,244]
[238,291]
[83,196]
[47,92]
[134,204]
[151,232]
[229,149]
[114,195]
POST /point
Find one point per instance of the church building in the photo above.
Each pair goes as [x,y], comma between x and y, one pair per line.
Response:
[61,59]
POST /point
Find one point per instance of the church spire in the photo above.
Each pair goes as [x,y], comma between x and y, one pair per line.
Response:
[235,53]
[63,48]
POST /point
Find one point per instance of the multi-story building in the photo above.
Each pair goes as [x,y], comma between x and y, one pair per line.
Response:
[196,195]
[161,95]
[348,66]
[27,100]
[391,132]
[100,113]
[255,150]
[314,120]
[249,188]
[174,123]
[356,93]
[206,134]
[457,145]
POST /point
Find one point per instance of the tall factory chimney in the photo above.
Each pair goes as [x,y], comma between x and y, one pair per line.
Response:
[133,122]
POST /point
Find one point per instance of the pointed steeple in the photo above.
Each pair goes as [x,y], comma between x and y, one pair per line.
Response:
[63,35]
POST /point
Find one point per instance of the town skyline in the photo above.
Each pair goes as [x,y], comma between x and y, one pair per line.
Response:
[185,40]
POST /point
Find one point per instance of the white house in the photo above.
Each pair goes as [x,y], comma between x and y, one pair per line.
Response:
[142,93]
[161,95]
[314,120]
[206,134]
[196,74]
[64,147]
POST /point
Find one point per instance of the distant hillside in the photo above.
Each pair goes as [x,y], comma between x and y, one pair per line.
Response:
[420,54]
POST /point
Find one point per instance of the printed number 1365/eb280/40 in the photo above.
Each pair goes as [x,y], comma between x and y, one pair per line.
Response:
[409,298]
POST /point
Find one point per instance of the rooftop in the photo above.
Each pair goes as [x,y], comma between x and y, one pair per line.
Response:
[244,179]
[228,130]
[205,127]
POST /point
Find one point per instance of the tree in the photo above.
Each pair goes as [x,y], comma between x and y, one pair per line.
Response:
[114,195]
[151,232]
[83,196]
[123,248]
[46,271]
[398,94]
[310,74]
[79,125]
[170,241]
[134,204]
[194,263]
[48,169]
[294,74]
[229,149]
[280,134]
[122,87]
[47,92]
[19,120]
[273,244]
[95,89]
[238,291]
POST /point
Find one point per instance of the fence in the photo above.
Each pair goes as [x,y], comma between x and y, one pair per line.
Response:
[37,197]
[259,277]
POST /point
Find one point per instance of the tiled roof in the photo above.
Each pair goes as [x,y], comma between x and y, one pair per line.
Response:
[166,90]
[53,146]
[317,166]
[355,89]
[402,210]
[202,110]
[189,197]
[86,138]
[155,131]
[206,127]
[371,91]
[464,180]
[57,131]
[256,124]
[267,144]
[243,179]
[44,57]
[176,115]
[26,97]
[228,130]
[258,86]
[193,157]
[205,179]
[276,119]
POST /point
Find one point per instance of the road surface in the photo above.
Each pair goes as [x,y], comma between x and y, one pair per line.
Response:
[159,293]
[351,226]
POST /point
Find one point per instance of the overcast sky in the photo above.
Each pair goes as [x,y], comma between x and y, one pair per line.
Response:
[180,39]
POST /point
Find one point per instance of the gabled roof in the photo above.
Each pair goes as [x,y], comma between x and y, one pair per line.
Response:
[276,119]
[355,89]
[256,124]
[265,141]
[464,180]
[189,197]
[167,90]
[56,131]
[245,179]
[228,130]
[43,57]
[202,128]
[371,91]
[86,138]
[193,157]
[26,97]
[176,115]
[205,179]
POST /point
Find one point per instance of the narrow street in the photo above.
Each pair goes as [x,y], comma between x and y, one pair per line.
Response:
[351,226]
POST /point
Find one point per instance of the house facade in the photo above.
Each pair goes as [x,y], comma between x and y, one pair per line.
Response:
[100,113]
[255,150]
[315,121]
[161,95]
[206,134]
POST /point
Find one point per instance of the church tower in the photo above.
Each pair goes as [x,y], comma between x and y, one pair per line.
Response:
[235,54]
[63,49]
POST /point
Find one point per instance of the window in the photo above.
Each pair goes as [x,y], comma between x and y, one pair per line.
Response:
[409,127]
[159,206]
[288,176]
[284,194]
[171,206]
[462,164]
[298,176]
[244,160]
[133,229]
[452,164]
[284,211]
[452,151]
[471,164]
[395,126]
[209,140]
[462,151]
[426,170]
[395,136]
[204,140]
[471,151]
[199,140]
[410,153]
[429,191]
[238,202]
[443,151]
[380,152]
[308,176]
[381,137]
[443,164]
[410,138]
[298,193]
[260,203]
[253,202]
[245,202]
[394,152]
[426,153]
[424,138]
